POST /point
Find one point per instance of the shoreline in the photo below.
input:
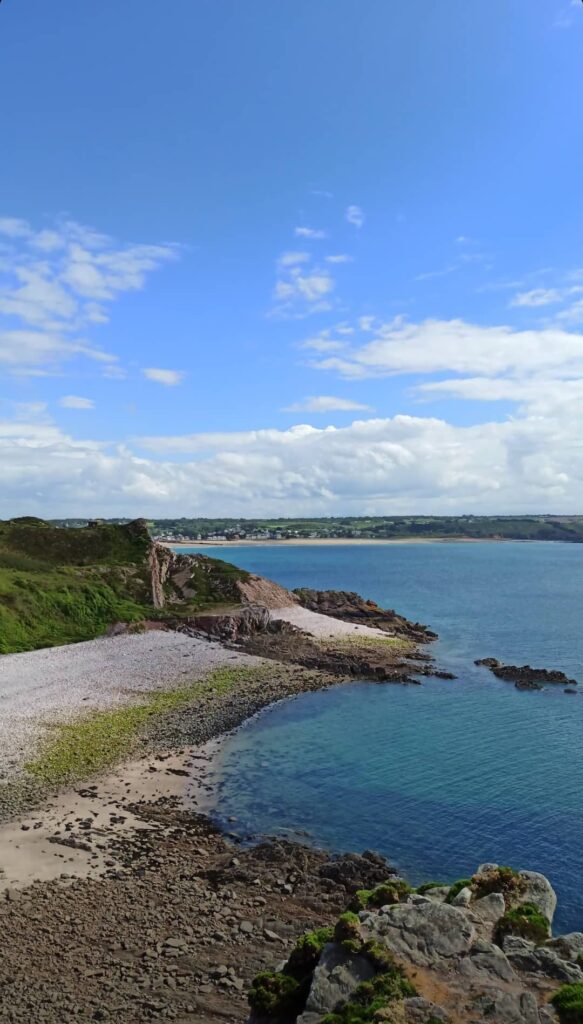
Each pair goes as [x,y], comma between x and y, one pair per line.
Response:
[349,541]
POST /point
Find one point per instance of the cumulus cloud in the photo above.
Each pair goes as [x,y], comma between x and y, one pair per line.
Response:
[532,461]
[327,403]
[56,284]
[168,377]
[76,402]
[339,258]
[355,216]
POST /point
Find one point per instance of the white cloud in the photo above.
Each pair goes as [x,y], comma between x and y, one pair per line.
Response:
[168,377]
[57,283]
[300,290]
[327,403]
[76,402]
[309,233]
[532,461]
[355,215]
[429,274]
[13,227]
[538,297]
[437,346]
[292,259]
[340,258]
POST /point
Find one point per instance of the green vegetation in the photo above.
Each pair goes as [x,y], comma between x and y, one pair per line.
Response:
[347,931]
[462,883]
[277,995]
[61,606]
[60,586]
[526,921]
[282,995]
[503,879]
[428,886]
[306,952]
[388,892]
[372,997]
[91,744]
[568,1002]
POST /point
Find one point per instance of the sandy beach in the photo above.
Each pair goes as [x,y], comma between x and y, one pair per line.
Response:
[335,542]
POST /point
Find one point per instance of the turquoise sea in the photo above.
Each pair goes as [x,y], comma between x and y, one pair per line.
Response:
[442,776]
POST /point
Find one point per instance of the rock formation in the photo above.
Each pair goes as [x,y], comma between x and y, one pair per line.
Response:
[480,950]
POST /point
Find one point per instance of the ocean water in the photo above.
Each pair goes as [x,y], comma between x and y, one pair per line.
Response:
[442,776]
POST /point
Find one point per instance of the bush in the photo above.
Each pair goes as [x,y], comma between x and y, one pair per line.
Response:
[277,995]
[568,1001]
[502,879]
[428,886]
[381,896]
[526,921]
[371,997]
[347,932]
[306,952]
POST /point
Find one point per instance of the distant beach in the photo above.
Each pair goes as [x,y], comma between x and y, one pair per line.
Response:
[334,541]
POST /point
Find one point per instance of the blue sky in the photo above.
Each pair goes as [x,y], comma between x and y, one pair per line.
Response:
[310,257]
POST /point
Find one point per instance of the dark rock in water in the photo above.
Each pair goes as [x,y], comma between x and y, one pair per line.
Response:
[569,689]
[527,684]
[351,607]
[525,677]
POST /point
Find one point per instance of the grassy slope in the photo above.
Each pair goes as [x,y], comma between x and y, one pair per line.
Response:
[59,586]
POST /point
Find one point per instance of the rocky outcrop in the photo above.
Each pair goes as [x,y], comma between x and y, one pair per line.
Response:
[257,590]
[525,677]
[351,607]
[475,952]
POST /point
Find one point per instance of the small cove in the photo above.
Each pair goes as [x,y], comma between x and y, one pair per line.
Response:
[442,776]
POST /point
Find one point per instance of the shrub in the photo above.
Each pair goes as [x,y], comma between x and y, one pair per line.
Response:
[503,879]
[371,997]
[526,921]
[568,1001]
[277,995]
[381,896]
[306,952]
[347,931]
[427,886]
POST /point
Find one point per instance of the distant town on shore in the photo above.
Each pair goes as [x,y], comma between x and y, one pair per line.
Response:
[567,528]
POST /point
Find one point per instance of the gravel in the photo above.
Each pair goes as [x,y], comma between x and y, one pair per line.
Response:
[323,626]
[38,688]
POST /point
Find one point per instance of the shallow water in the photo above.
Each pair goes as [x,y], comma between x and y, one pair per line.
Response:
[445,775]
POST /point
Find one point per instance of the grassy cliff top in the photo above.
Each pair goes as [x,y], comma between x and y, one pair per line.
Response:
[59,586]
[32,543]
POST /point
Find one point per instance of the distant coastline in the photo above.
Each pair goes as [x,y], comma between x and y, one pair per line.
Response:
[336,541]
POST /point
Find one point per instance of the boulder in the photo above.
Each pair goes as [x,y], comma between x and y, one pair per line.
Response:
[540,892]
[569,946]
[424,933]
[335,979]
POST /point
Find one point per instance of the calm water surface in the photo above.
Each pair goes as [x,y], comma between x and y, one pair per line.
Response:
[445,775]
